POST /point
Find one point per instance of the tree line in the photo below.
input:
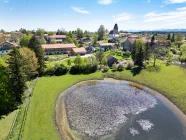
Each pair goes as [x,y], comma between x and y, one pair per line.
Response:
[22,64]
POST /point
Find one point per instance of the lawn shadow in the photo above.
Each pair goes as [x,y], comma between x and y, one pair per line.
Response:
[136,71]
[4,113]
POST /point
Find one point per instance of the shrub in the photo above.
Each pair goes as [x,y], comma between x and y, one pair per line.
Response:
[120,67]
[60,70]
[126,54]
[130,64]
[49,71]
[105,68]
[83,69]
[114,67]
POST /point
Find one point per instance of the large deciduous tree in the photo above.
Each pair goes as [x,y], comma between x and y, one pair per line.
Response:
[25,41]
[29,61]
[35,45]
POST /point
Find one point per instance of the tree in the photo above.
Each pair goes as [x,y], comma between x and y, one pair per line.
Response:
[69,62]
[43,40]
[53,41]
[40,32]
[76,43]
[78,60]
[2,31]
[138,53]
[68,40]
[99,56]
[101,32]
[29,62]
[173,38]
[152,41]
[23,31]
[58,32]
[104,60]
[169,37]
[16,75]
[95,39]
[79,33]
[179,38]
[35,45]
[70,35]
[25,41]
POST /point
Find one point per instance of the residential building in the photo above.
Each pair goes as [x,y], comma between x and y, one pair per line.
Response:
[50,49]
[79,51]
[106,46]
[6,46]
[128,43]
[85,39]
[58,38]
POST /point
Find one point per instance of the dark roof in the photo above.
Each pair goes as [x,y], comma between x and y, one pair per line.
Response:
[110,57]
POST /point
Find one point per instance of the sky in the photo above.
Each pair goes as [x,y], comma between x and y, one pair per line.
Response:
[90,14]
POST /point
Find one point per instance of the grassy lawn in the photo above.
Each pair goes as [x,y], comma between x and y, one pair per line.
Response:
[169,80]
[40,120]
[5,125]
[52,64]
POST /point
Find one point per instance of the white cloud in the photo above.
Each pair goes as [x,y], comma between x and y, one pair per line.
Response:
[173,17]
[174,1]
[149,1]
[80,10]
[122,17]
[105,2]
[6,1]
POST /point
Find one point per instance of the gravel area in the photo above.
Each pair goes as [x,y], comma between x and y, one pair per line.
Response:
[100,109]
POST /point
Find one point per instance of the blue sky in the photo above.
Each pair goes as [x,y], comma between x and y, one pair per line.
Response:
[90,14]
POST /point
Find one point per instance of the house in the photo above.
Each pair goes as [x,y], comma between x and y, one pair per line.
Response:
[128,43]
[58,38]
[114,34]
[111,60]
[80,51]
[58,48]
[85,39]
[106,46]
[6,46]
[7,37]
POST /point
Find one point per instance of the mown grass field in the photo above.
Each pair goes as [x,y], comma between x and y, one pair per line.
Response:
[5,125]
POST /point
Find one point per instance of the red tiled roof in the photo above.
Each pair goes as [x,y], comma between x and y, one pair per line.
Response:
[13,44]
[58,46]
[79,50]
[57,36]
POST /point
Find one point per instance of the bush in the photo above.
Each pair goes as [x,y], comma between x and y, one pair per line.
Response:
[49,71]
[114,67]
[83,69]
[60,70]
[126,54]
[105,68]
[130,65]
[120,67]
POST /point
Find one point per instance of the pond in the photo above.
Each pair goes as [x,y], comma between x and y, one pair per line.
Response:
[117,110]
